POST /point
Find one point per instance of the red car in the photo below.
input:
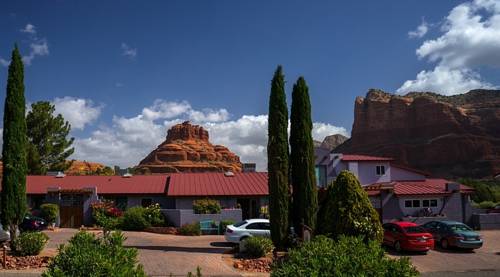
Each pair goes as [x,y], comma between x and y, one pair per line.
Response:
[407,236]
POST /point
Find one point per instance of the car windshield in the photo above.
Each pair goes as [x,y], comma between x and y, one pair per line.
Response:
[414,229]
[460,227]
[240,223]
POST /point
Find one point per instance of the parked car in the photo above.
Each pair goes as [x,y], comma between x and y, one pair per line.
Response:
[454,234]
[32,223]
[247,228]
[407,236]
[4,234]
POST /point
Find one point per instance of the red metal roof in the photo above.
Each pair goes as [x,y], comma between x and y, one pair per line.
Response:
[140,184]
[419,187]
[353,158]
[217,184]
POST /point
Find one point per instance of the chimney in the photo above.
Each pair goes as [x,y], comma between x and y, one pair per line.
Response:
[452,187]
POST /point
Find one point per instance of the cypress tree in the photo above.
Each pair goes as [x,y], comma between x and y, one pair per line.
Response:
[13,204]
[305,196]
[277,161]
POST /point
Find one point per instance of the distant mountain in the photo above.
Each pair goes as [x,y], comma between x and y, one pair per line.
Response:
[449,136]
[331,142]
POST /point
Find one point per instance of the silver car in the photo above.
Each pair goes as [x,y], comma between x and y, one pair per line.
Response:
[247,228]
[4,235]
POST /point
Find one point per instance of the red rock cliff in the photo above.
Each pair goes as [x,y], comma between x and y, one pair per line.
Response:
[187,149]
[446,135]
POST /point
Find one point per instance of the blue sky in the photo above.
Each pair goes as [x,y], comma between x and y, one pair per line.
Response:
[212,61]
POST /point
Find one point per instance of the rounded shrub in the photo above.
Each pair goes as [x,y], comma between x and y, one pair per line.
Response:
[192,229]
[49,212]
[86,255]
[154,216]
[349,256]
[347,210]
[257,247]
[134,219]
[206,206]
[29,243]
[487,205]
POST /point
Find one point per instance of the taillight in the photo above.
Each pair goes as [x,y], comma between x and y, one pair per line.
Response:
[229,231]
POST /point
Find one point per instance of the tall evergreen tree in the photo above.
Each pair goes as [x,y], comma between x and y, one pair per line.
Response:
[277,161]
[305,196]
[13,204]
[47,136]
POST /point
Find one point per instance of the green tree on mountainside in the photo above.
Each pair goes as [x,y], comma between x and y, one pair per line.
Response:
[13,196]
[277,161]
[47,134]
[305,195]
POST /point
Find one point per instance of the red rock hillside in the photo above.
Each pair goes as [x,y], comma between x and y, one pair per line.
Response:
[187,149]
[449,136]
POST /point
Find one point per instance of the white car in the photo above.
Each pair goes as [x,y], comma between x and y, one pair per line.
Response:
[248,228]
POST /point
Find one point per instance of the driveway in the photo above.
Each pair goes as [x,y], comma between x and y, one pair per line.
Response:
[163,255]
[481,262]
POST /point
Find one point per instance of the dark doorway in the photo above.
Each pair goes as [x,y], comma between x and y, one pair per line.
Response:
[249,208]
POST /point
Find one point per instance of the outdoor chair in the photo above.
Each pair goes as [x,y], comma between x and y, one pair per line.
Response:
[209,226]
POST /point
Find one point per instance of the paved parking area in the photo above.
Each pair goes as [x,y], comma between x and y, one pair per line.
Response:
[162,255]
[480,262]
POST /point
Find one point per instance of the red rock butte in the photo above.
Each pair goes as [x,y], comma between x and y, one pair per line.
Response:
[187,149]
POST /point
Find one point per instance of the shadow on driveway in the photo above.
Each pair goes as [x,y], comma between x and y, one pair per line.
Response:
[208,250]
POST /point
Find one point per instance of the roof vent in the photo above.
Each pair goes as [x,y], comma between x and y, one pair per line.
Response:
[229,174]
[127,175]
[60,175]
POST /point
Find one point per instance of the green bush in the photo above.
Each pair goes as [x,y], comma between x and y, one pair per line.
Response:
[192,229]
[29,243]
[134,219]
[206,206]
[49,212]
[257,247]
[86,255]
[487,205]
[154,216]
[223,224]
[349,256]
[347,210]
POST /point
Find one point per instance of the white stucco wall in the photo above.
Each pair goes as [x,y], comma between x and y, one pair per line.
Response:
[367,174]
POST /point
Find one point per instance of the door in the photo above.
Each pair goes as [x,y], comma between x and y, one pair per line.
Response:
[71,210]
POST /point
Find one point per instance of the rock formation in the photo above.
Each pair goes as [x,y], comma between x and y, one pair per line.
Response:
[330,142]
[83,168]
[448,136]
[187,149]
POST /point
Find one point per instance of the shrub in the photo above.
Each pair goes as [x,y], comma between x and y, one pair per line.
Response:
[154,216]
[134,219]
[192,229]
[257,247]
[206,206]
[349,256]
[347,210]
[29,243]
[487,205]
[223,224]
[49,212]
[86,255]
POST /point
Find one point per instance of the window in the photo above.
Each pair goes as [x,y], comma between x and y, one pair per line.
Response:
[416,203]
[380,170]
[254,226]
[146,202]
[407,203]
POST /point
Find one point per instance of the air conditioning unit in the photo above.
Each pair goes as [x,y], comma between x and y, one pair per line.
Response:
[229,174]
[127,175]
[60,174]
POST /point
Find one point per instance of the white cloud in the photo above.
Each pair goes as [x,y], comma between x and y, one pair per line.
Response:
[79,112]
[4,62]
[29,28]
[39,48]
[128,51]
[129,140]
[470,40]
[421,30]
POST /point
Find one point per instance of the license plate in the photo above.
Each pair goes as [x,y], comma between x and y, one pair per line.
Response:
[422,240]
[471,238]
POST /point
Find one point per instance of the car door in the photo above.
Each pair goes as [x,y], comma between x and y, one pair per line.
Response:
[266,226]
[256,229]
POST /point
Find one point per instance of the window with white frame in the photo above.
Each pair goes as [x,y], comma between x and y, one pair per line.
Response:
[380,169]
[419,203]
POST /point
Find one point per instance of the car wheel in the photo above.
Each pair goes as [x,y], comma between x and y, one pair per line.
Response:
[445,244]
[397,246]
[243,238]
